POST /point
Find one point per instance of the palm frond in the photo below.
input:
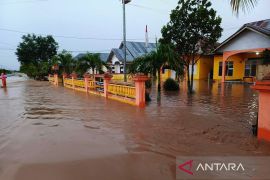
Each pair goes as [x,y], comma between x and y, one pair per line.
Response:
[245,5]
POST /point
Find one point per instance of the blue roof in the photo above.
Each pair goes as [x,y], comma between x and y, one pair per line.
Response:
[134,50]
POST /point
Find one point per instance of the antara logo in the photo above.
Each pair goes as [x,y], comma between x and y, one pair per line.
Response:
[213,166]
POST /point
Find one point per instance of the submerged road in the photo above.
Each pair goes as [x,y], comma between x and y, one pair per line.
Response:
[53,133]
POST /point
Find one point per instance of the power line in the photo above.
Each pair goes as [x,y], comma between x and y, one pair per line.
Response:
[69,37]
[149,8]
[71,51]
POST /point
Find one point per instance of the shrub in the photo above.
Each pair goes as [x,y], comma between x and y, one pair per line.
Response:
[171,85]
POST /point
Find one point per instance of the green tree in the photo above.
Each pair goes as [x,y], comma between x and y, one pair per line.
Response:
[65,62]
[34,54]
[154,61]
[193,29]
[90,61]
[242,4]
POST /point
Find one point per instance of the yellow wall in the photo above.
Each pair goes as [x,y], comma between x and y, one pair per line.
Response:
[238,65]
[203,67]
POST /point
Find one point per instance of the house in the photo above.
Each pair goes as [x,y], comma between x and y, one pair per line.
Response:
[102,56]
[203,69]
[240,56]
[133,49]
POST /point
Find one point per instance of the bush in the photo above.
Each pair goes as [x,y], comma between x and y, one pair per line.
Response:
[171,85]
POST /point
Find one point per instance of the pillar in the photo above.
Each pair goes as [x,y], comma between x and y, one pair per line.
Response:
[4,80]
[139,80]
[264,103]
[86,80]
[73,77]
[224,68]
[64,77]
[56,79]
[106,81]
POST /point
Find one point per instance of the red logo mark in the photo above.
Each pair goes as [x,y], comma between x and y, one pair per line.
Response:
[188,163]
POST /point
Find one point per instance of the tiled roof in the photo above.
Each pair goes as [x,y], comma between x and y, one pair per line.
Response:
[261,26]
[134,50]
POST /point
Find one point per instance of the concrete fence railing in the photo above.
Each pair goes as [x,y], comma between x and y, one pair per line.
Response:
[131,93]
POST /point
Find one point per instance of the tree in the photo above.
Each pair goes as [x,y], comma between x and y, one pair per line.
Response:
[89,61]
[34,54]
[242,4]
[65,62]
[154,61]
[193,29]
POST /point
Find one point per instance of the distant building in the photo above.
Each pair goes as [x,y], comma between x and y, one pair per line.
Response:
[134,50]
[240,56]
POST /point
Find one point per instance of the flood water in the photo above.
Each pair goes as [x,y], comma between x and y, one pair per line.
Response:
[53,133]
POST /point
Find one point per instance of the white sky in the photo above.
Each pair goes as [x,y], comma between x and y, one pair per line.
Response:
[98,19]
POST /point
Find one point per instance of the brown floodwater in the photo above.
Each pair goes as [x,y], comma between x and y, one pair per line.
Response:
[53,133]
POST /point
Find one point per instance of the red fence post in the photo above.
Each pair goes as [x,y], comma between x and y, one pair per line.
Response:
[139,80]
[73,76]
[56,79]
[86,80]
[4,80]
[264,103]
[106,81]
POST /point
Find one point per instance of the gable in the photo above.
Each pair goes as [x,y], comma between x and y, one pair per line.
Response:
[247,39]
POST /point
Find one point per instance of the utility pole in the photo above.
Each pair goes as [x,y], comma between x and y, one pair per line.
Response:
[124,2]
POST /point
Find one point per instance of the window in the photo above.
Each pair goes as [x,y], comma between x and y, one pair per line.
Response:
[229,68]
[251,68]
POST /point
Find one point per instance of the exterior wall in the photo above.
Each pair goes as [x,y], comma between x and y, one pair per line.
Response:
[205,66]
[238,67]
[262,71]
[168,73]
[245,40]
[202,68]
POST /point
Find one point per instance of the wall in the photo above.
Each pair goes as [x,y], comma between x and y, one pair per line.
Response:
[245,40]
[238,65]
[205,66]
[262,70]
[202,68]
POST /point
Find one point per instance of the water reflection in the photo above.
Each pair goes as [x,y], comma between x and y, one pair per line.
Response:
[215,120]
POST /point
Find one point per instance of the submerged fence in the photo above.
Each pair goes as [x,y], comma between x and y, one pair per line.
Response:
[132,92]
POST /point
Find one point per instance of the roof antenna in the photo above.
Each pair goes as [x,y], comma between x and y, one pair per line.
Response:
[146,37]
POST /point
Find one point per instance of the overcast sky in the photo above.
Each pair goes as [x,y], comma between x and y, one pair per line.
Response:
[92,21]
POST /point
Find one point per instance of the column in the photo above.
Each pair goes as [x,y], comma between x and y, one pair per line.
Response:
[86,81]
[56,79]
[264,103]
[64,77]
[106,81]
[139,80]
[73,76]
[4,80]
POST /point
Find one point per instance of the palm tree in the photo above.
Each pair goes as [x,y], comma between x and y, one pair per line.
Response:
[242,4]
[65,62]
[90,61]
[154,61]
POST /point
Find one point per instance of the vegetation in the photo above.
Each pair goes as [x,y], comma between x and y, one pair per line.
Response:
[153,62]
[90,61]
[193,29]
[171,85]
[65,62]
[242,4]
[266,56]
[35,53]
[5,71]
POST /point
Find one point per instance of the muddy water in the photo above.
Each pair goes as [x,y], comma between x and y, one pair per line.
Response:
[54,133]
